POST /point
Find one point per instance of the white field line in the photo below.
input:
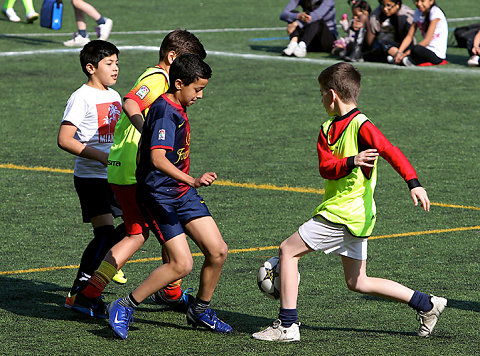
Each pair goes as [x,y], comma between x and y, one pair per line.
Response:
[213,30]
[326,61]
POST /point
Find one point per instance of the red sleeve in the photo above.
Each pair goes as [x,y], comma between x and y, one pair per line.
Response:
[371,137]
[330,167]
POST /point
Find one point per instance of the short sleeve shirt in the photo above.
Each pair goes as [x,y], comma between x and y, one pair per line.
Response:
[166,127]
[95,113]
[438,44]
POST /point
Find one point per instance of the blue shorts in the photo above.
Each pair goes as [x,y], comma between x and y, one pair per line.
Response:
[167,217]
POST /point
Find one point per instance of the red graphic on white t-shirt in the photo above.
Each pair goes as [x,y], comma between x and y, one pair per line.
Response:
[108,115]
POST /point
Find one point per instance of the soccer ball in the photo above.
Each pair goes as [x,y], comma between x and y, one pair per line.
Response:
[268,278]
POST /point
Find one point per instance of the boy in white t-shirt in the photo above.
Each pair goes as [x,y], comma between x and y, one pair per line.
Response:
[87,132]
[431,21]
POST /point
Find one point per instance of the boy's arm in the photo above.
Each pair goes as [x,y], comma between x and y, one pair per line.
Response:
[320,12]
[405,43]
[132,110]
[476,44]
[331,167]
[66,141]
[161,162]
[429,34]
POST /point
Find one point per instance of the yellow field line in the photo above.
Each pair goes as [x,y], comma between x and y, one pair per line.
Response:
[229,183]
[251,249]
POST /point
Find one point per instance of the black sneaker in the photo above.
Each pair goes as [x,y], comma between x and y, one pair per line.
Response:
[94,307]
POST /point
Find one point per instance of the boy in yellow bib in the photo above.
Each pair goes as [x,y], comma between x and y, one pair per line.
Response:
[348,147]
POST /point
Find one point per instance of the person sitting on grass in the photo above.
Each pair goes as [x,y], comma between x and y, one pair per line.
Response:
[431,21]
[348,147]
[312,29]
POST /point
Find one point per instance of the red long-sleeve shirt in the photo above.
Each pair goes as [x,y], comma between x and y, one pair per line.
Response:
[369,136]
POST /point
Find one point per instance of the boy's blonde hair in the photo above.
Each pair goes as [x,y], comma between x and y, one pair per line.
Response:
[344,79]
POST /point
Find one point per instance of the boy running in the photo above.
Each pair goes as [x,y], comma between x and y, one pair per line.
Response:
[348,147]
[170,203]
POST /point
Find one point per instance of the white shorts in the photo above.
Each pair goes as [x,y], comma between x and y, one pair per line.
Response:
[322,235]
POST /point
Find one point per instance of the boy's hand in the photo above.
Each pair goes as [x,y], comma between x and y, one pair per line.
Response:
[205,179]
[366,158]
[419,193]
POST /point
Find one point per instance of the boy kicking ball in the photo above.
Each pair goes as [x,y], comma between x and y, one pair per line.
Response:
[348,147]
[168,198]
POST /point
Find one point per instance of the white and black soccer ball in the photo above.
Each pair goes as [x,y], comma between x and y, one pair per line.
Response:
[268,278]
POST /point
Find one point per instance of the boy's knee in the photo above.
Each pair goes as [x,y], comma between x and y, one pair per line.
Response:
[218,254]
[183,266]
[283,250]
[355,285]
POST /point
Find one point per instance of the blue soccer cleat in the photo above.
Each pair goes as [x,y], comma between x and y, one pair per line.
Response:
[120,318]
[180,305]
[208,320]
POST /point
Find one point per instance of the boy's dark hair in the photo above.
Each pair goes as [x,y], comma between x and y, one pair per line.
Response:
[361,4]
[94,51]
[344,79]
[397,2]
[188,67]
[181,41]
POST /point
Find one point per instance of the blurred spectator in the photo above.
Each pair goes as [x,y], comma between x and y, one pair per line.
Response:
[30,13]
[312,29]
[81,38]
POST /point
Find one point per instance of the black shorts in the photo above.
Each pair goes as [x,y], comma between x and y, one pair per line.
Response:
[96,198]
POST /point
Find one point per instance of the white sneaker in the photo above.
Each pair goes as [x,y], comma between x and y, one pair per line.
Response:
[301,50]
[390,59]
[407,62]
[77,41]
[473,61]
[290,48]
[11,15]
[277,332]
[429,319]
[32,16]
[103,31]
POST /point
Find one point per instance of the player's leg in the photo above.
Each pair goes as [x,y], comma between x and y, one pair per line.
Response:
[204,232]
[180,264]
[98,207]
[81,38]
[30,13]
[428,307]
[285,328]
[290,252]
[206,235]
[104,24]
[358,281]
[173,295]
[9,12]
[86,8]
[114,260]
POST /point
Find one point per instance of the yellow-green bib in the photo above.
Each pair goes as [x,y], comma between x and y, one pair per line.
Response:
[122,160]
[349,200]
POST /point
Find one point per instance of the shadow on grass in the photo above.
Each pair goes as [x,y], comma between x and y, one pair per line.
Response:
[269,49]
[458,59]
[26,40]
[37,299]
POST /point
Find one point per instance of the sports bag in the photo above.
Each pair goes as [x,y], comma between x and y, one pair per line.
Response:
[51,14]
